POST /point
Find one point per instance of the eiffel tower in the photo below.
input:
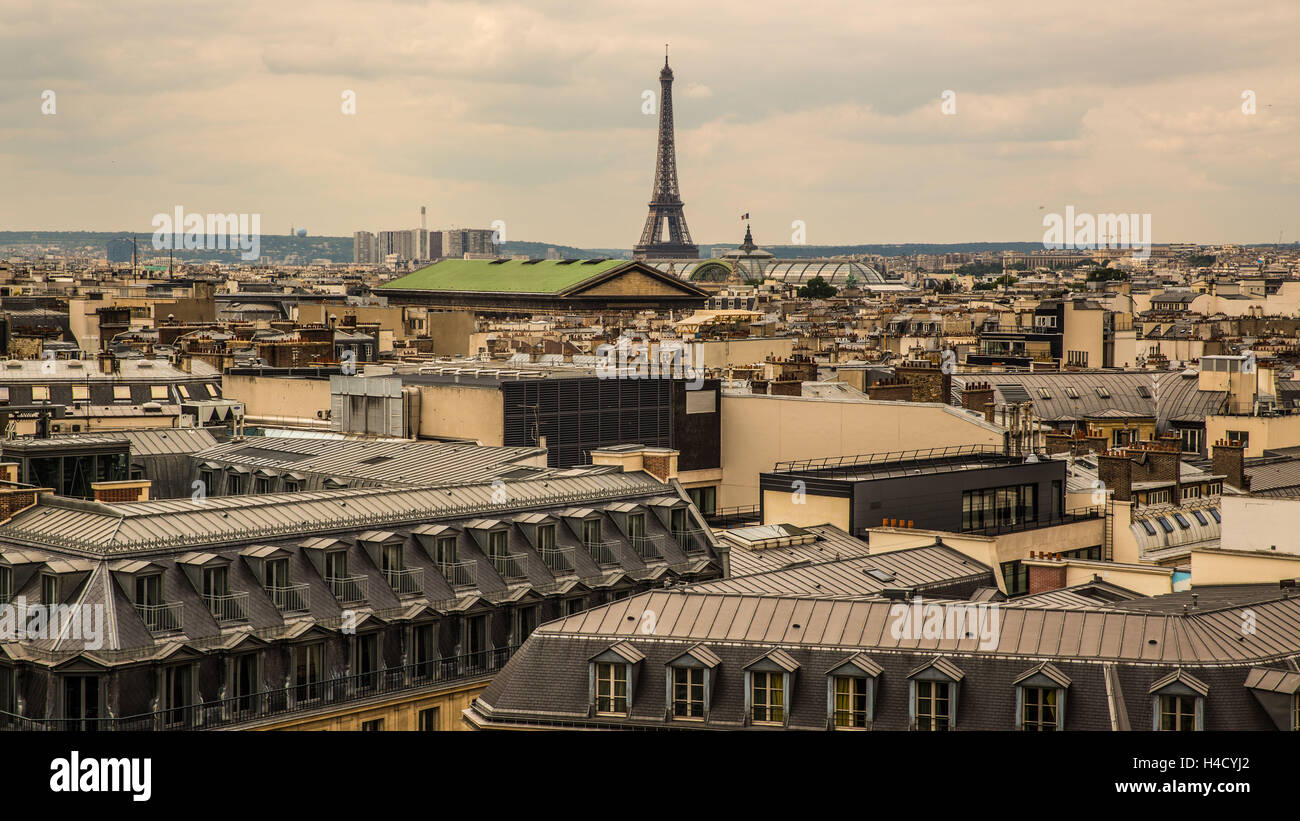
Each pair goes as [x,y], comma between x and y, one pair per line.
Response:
[666,201]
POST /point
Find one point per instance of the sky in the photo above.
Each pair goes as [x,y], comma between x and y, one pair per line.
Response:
[826,113]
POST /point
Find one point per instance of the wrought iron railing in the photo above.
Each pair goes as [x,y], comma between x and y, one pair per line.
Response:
[511,566]
[558,559]
[602,552]
[408,582]
[460,574]
[349,589]
[294,598]
[298,698]
[228,606]
[648,547]
[691,540]
[160,618]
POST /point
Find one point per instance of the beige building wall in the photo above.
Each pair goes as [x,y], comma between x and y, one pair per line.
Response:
[721,353]
[278,396]
[803,510]
[759,431]
[461,412]
[1265,432]
[1242,567]
[1084,332]
[1260,523]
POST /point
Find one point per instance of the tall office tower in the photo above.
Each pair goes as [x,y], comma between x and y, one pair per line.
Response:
[435,245]
[458,242]
[396,242]
[420,243]
[363,247]
[666,216]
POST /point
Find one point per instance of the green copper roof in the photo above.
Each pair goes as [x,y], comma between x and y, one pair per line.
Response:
[546,276]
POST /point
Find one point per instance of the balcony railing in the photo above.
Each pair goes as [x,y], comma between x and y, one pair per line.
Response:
[160,618]
[295,598]
[284,702]
[691,540]
[349,589]
[648,547]
[228,606]
[602,552]
[460,574]
[408,582]
[559,559]
[511,566]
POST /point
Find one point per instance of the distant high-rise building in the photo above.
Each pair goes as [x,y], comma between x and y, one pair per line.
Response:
[458,242]
[401,243]
[119,249]
[363,247]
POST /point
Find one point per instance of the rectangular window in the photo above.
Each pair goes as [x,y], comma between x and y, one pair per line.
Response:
[546,537]
[309,666]
[1038,708]
[366,661]
[769,698]
[80,393]
[591,532]
[1177,713]
[277,573]
[429,720]
[158,392]
[122,393]
[6,584]
[705,498]
[178,693]
[49,589]
[262,485]
[932,705]
[445,550]
[636,526]
[850,701]
[688,692]
[247,683]
[1015,575]
[40,393]
[148,590]
[527,622]
[611,689]
[375,725]
[216,582]
[497,541]
[336,564]
[1239,436]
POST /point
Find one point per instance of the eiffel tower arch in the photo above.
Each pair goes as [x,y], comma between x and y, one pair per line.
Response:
[665,235]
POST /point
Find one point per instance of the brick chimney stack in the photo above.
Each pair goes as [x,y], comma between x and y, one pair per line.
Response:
[1230,460]
[1116,471]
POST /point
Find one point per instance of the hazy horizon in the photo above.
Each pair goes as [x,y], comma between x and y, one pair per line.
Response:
[532,114]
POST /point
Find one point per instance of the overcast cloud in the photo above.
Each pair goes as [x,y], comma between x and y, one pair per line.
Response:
[826,112]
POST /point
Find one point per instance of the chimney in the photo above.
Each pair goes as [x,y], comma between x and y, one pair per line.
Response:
[1230,460]
[1050,575]
[1116,473]
[976,395]
[131,490]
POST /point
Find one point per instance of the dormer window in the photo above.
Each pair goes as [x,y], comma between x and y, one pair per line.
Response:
[611,689]
[546,537]
[6,584]
[1040,699]
[591,532]
[690,684]
[498,541]
[852,692]
[768,680]
[934,689]
[148,590]
[49,589]
[1178,703]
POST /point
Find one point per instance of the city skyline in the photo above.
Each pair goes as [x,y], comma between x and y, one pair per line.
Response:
[536,117]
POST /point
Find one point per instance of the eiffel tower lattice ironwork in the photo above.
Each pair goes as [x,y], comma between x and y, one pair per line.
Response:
[665,235]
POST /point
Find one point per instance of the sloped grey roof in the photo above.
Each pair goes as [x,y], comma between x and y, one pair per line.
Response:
[389,463]
[1180,397]
[1204,638]
[918,567]
[96,529]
